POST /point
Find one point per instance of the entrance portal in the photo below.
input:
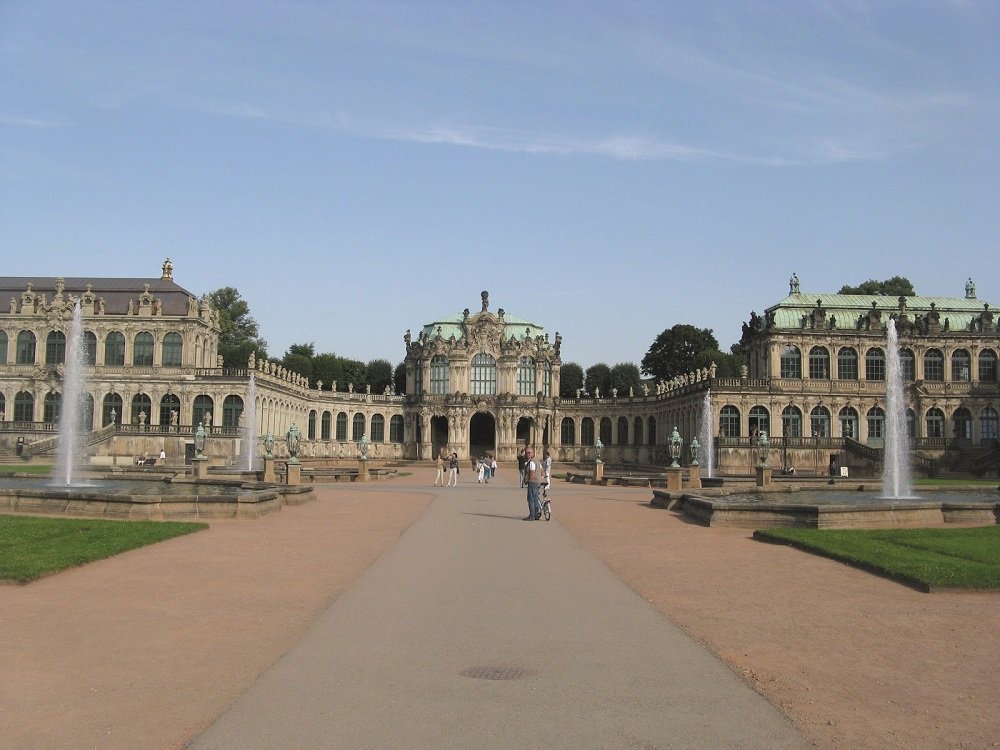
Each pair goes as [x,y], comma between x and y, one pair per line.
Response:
[482,435]
[439,435]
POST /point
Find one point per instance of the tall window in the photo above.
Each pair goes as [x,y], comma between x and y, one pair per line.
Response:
[587,431]
[989,424]
[358,427]
[961,422]
[114,349]
[907,366]
[483,375]
[547,379]
[232,410]
[935,423]
[651,432]
[173,348]
[55,348]
[3,347]
[847,364]
[378,428]
[987,366]
[311,426]
[819,422]
[324,425]
[729,421]
[760,420]
[791,422]
[142,356]
[111,409]
[342,426]
[637,431]
[525,376]
[933,365]
[440,378]
[961,366]
[24,407]
[791,363]
[142,409]
[819,363]
[876,424]
[202,411]
[622,430]
[169,403]
[50,407]
[25,348]
[606,430]
[567,431]
[89,348]
[875,364]
[396,429]
[848,422]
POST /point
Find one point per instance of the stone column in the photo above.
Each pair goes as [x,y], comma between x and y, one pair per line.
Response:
[763,478]
[675,481]
[293,474]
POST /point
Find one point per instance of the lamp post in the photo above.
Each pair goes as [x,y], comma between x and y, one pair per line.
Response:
[199,441]
[269,445]
[363,448]
[695,450]
[763,444]
[675,448]
[293,438]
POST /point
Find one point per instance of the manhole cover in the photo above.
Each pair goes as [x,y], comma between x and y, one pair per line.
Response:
[498,673]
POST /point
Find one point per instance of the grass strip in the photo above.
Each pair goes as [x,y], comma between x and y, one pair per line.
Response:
[31,547]
[928,559]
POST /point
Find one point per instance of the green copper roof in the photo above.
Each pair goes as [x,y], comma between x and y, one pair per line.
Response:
[847,308]
[451,325]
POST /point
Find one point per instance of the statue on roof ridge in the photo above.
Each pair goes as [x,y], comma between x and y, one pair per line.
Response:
[793,284]
[486,300]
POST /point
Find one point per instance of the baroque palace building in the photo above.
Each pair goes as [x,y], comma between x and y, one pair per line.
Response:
[489,383]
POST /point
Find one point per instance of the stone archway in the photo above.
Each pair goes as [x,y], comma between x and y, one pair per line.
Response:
[439,435]
[482,434]
[523,432]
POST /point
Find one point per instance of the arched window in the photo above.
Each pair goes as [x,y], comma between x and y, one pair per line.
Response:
[3,347]
[989,424]
[819,363]
[567,431]
[142,409]
[819,422]
[961,422]
[606,430]
[378,428]
[483,375]
[50,407]
[173,348]
[202,411]
[111,409]
[546,379]
[791,363]
[326,423]
[311,425]
[848,422]
[760,420]
[142,354]
[525,376]
[911,423]
[358,427]
[24,407]
[637,431]
[961,366]
[440,375]
[622,430]
[87,413]
[170,405]
[587,431]
[25,348]
[396,428]
[875,364]
[907,366]
[89,348]
[341,426]
[3,406]
[935,423]
[791,422]
[114,349]
[55,348]
[933,365]
[876,424]
[651,431]
[232,410]
[729,421]
[847,364]
[987,366]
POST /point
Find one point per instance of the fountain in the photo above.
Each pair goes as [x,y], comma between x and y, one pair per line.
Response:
[250,426]
[71,409]
[705,436]
[896,465]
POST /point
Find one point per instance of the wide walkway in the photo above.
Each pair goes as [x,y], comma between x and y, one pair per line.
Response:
[479,630]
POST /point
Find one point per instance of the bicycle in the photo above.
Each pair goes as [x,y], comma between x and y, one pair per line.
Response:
[545,506]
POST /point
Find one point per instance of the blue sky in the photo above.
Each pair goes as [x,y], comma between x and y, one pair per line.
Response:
[606,170]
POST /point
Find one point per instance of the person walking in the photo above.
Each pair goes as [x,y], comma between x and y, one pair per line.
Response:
[533,479]
[453,470]
[547,468]
[493,467]
[521,460]
[484,472]
[439,477]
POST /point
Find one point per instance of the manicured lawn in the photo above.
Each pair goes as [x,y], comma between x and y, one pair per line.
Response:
[26,469]
[31,547]
[966,558]
[928,482]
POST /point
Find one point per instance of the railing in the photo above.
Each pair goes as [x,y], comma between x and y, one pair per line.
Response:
[864,451]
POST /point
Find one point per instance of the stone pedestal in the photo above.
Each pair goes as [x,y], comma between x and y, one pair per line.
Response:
[598,472]
[763,476]
[269,476]
[293,475]
[694,477]
[363,475]
[199,467]
[675,481]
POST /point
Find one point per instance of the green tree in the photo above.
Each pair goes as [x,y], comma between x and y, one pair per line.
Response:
[355,372]
[897,286]
[625,375]
[328,368]
[598,377]
[379,375]
[399,378]
[677,350]
[240,333]
[299,358]
[570,379]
